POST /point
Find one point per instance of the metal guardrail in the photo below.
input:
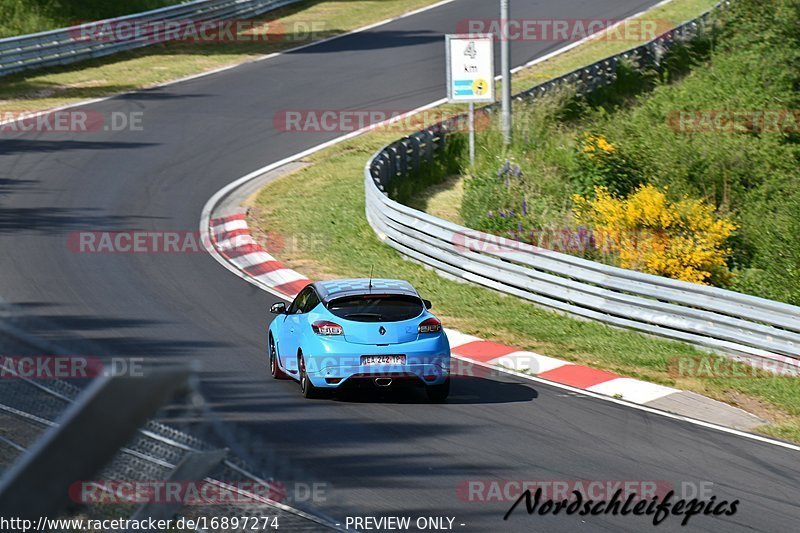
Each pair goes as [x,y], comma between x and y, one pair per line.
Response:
[187,430]
[69,45]
[155,454]
[721,320]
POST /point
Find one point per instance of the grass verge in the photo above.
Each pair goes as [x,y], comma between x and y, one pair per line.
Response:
[300,23]
[333,240]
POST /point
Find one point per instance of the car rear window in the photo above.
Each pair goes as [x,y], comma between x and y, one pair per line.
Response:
[376,308]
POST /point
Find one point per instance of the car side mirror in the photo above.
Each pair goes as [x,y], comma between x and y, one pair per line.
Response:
[278,309]
[428,304]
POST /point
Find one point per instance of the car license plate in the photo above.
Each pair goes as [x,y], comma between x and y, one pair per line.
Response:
[371,360]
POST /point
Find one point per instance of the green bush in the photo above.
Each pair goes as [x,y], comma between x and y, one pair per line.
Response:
[750,175]
[19,17]
[602,164]
[499,198]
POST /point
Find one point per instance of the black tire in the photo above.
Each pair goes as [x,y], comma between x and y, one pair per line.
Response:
[274,369]
[308,388]
[438,393]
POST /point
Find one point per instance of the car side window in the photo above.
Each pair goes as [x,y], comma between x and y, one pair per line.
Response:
[311,302]
[299,303]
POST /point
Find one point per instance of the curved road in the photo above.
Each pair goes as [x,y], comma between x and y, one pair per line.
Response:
[386,455]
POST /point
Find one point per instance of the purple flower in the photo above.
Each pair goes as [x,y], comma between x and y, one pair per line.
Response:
[490,214]
[524,207]
[519,227]
[501,213]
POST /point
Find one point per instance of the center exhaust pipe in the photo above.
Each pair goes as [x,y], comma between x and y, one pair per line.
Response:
[383,382]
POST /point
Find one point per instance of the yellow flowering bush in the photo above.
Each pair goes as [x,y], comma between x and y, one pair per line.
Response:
[647,232]
[601,163]
[597,145]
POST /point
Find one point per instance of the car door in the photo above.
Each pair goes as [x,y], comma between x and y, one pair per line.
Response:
[291,331]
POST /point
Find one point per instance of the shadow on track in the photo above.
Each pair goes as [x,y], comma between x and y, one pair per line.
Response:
[463,391]
[21,146]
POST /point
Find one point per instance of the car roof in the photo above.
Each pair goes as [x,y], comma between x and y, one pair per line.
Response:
[329,290]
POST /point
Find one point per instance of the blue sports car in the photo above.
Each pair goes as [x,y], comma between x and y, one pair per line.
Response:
[354,332]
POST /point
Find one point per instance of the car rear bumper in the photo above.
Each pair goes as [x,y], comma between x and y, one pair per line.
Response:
[334,364]
[380,376]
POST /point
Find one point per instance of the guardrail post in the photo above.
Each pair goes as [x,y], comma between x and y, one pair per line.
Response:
[416,146]
[427,139]
[402,163]
[393,151]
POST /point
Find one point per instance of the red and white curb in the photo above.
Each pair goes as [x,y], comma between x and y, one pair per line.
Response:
[556,370]
[231,239]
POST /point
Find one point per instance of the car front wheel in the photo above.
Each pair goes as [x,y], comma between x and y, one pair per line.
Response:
[274,368]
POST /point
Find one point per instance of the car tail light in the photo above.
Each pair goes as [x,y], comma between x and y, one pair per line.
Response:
[431,325]
[323,327]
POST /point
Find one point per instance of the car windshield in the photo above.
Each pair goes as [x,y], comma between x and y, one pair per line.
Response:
[376,308]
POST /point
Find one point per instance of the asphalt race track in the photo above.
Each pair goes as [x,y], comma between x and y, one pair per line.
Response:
[384,456]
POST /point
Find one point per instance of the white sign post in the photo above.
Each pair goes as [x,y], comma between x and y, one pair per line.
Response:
[470,75]
[505,60]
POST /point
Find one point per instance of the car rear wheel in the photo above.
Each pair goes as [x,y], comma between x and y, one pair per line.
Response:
[274,368]
[438,393]
[308,388]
